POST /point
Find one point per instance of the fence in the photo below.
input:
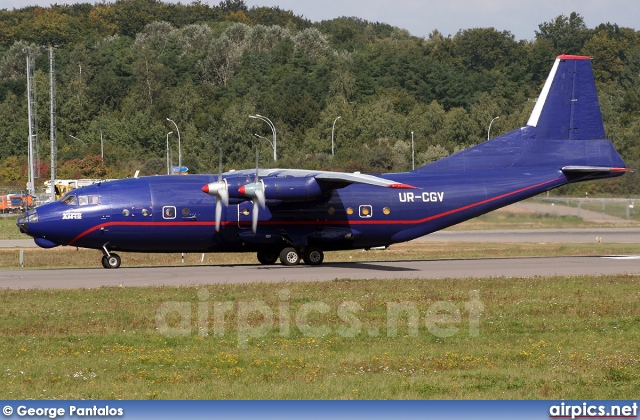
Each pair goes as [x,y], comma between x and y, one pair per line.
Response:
[623,208]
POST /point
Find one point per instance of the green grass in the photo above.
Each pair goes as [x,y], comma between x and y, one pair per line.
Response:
[503,219]
[538,338]
[8,228]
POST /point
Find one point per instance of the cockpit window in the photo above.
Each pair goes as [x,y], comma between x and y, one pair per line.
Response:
[70,200]
[80,200]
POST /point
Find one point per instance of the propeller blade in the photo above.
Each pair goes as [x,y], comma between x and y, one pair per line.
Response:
[218,214]
[254,217]
[223,192]
[220,190]
[259,192]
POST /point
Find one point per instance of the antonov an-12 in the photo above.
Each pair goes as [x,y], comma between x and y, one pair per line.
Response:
[295,215]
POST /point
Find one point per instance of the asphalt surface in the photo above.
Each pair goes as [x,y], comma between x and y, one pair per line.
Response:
[201,275]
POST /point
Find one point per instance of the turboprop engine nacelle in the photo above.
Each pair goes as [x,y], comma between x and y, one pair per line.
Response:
[286,189]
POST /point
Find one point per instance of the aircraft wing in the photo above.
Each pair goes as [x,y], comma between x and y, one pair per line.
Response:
[340,179]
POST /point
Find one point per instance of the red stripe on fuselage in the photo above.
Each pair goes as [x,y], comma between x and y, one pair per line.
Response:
[312,222]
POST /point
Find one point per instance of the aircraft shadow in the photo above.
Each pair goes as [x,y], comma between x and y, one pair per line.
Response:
[343,265]
[369,266]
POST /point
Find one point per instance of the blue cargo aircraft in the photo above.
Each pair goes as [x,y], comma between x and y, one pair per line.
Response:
[295,215]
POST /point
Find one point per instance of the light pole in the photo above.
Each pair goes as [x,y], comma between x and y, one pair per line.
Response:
[489,132]
[413,155]
[101,140]
[74,137]
[270,142]
[332,131]
[273,130]
[179,151]
[168,164]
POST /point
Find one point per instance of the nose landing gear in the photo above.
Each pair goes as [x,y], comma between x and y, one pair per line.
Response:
[110,260]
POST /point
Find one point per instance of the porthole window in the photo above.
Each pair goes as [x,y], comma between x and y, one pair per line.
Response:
[349,210]
[386,210]
[169,212]
[185,211]
[126,212]
[331,211]
[365,211]
[246,211]
[145,212]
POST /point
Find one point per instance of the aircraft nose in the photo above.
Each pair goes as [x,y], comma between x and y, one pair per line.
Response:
[24,227]
[26,219]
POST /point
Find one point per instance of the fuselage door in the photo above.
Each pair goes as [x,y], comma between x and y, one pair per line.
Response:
[105,205]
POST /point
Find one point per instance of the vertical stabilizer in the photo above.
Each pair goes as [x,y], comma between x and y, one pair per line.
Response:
[568,107]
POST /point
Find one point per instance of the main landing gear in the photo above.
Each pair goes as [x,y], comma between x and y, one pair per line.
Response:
[291,256]
[110,260]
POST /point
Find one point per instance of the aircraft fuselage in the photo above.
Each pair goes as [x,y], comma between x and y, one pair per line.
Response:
[171,214]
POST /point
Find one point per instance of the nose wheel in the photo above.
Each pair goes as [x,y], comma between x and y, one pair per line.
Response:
[111,261]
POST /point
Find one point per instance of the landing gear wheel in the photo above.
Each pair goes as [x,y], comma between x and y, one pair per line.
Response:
[313,256]
[267,257]
[289,256]
[111,261]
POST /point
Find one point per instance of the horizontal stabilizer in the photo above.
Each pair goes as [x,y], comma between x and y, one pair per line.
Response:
[592,169]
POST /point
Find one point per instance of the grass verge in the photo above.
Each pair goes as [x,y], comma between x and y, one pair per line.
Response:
[494,338]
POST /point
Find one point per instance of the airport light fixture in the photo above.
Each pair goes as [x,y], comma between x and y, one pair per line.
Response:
[262,137]
[333,129]
[101,139]
[273,130]
[489,132]
[74,137]
[179,150]
[413,154]
[168,163]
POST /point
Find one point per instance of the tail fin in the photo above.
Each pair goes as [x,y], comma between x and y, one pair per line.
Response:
[568,107]
[564,130]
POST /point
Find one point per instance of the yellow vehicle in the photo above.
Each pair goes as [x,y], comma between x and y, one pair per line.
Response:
[63,186]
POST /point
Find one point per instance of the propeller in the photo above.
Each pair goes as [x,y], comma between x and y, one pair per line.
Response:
[220,190]
[254,190]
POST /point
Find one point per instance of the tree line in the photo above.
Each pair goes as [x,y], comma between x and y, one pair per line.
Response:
[123,68]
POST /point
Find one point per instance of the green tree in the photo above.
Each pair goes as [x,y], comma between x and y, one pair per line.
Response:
[567,34]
